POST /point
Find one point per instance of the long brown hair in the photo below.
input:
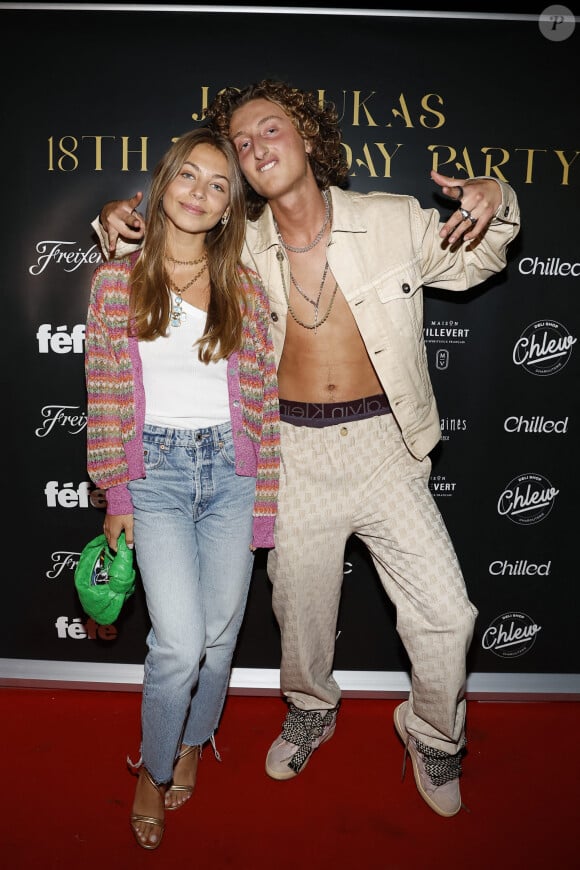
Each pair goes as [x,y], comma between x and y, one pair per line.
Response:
[317,123]
[150,296]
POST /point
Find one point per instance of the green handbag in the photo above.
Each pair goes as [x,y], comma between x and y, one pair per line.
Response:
[105,579]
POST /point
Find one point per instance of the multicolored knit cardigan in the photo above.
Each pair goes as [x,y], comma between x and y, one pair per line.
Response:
[116,399]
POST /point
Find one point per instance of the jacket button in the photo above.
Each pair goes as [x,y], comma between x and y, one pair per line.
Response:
[274,317]
[343,430]
[406,288]
[506,211]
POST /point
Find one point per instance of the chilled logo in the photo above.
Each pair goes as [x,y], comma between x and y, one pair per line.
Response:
[552,267]
[61,254]
[519,568]
[536,425]
[510,635]
[543,348]
[69,418]
[59,340]
[527,499]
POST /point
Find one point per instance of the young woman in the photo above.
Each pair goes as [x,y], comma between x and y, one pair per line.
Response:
[183,436]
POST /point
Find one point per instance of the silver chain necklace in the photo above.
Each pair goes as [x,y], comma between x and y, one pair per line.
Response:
[315,241]
[314,302]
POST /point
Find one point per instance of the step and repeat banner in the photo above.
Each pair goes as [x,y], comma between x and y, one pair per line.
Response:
[90,101]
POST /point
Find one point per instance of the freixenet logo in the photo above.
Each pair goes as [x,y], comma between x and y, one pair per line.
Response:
[66,417]
[543,348]
[60,340]
[61,254]
[527,499]
[62,561]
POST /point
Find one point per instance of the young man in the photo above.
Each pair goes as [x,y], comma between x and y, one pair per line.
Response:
[344,273]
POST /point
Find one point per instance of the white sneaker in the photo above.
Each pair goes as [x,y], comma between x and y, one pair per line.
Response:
[436,772]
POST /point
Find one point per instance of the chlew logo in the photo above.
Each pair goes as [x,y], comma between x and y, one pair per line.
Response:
[510,635]
[527,499]
[543,348]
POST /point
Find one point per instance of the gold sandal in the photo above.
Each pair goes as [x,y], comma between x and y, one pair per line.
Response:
[148,820]
[187,790]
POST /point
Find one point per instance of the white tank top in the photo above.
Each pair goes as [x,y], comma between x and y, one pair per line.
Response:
[181,391]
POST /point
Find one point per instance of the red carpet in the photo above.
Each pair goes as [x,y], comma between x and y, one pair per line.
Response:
[67,795]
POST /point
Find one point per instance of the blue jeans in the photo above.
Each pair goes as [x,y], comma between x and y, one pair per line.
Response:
[193,530]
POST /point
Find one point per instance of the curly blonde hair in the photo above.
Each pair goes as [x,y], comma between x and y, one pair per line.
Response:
[316,123]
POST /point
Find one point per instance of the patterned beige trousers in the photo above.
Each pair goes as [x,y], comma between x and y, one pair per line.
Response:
[357,477]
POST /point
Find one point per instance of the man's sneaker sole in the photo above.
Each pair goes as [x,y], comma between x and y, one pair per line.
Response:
[412,752]
[288,773]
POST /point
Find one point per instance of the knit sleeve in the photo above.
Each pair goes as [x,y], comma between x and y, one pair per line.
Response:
[108,376]
[262,414]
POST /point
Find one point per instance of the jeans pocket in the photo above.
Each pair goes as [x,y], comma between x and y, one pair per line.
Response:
[226,449]
[153,454]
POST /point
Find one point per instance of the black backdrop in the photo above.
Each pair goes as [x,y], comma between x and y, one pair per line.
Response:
[90,100]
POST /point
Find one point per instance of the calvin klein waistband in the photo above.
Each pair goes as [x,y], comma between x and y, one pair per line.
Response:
[319,414]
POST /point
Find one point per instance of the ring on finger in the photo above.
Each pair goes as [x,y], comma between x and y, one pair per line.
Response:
[459,189]
[467,216]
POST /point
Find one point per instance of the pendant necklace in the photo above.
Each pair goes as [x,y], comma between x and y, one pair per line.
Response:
[314,302]
[177,312]
[296,250]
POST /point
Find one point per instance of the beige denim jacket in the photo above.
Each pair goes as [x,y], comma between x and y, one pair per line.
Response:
[384,248]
